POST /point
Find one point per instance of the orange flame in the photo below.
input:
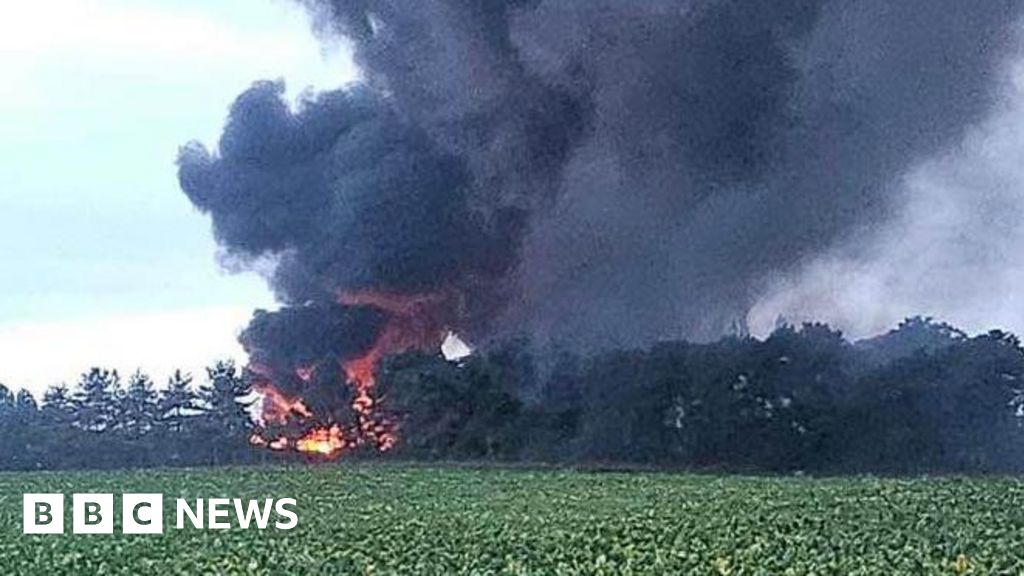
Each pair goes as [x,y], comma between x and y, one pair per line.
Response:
[325,441]
[277,408]
[414,322]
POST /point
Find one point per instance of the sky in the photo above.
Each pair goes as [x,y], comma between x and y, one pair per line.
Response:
[104,260]
[106,263]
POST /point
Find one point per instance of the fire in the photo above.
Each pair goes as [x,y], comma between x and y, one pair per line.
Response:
[413,322]
[275,444]
[277,408]
[325,441]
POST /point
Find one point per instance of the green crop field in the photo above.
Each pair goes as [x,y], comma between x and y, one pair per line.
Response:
[362,519]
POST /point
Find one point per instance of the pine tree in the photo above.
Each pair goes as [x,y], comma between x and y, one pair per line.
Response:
[31,449]
[7,427]
[176,411]
[139,407]
[58,407]
[176,404]
[6,403]
[56,425]
[226,416]
[96,400]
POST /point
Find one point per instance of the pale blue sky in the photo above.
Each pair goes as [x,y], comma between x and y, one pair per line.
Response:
[103,258]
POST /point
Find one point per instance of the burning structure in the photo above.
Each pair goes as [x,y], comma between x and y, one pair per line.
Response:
[593,172]
[300,383]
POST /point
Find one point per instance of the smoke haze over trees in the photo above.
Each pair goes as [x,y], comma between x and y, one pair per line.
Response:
[924,397]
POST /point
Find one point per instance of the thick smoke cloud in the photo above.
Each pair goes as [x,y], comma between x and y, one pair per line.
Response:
[595,171]
[648,242]
[308,335]
[951,250]
[347,194]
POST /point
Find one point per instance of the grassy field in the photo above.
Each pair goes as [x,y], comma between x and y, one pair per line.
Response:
[356,519]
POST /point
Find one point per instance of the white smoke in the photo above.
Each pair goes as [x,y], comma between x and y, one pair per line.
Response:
[954,248]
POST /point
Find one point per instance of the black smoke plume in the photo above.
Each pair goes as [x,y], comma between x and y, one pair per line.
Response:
[283,344]
[593,171]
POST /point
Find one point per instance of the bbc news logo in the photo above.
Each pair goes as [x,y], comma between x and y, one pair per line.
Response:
[144,513]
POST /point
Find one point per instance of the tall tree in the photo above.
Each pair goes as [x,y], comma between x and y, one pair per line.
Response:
[139,407]
[96,415]
[7,425]
[137,421]
[57,416]
[58,407]
[176,411]
[225,403]
[96,400]
[30,447]
[177,403]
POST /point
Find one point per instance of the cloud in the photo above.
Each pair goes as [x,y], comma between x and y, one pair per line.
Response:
[156,40]
[60,26]
[35,355]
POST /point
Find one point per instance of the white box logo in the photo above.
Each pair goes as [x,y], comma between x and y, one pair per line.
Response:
[142,513]
[42,514]
[92,513]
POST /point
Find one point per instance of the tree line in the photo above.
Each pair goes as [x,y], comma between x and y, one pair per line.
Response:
[924,397]
[107,422]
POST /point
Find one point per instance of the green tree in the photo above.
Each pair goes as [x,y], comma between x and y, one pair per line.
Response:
[226,424]
[96,400]
[176,411]
[58,407]
[8,448]
[467,409]
[6,402]
[32,448]
[136,418]
[139,407]
[177,403]
[57,416]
